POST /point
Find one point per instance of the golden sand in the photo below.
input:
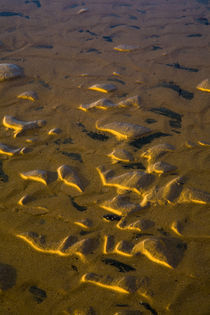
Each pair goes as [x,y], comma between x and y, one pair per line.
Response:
[104,201]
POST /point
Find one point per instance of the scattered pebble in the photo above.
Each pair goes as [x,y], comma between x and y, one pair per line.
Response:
[10,71]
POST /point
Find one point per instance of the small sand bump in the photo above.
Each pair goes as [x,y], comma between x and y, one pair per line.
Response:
[168,193]
[31,140]
[123,130]
[8,150]
[204,143]
[24,200]
[116,73]
[135,181]
[103,87]
[69,176]
[160,167]
[190,144]
[84,247]
[124,248]
[194,196]
[106,282]
[25,150]
[36,175]
[102,103]
[157,151]
[204,85]
[125,48]
[155,250]
[81,11]
[131,101]
[28,95]
[138,226]
[120,205]
[109,244]
[67,247]
[119,154]
[172,190]
[20,126]
[177,228]
[54,131]
[85,223]
[10,71]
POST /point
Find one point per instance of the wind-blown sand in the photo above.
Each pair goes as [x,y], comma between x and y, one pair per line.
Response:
[104,210]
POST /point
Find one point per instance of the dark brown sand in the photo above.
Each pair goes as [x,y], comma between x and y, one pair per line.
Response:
[61,250]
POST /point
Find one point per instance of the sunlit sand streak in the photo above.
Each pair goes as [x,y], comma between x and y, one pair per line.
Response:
[119,186]
[191,237]
[102,103]
[104,88]
[7,150]
[28,95]
[105,286]
[114,132]
[20,126]
[204,86]
[51,251]
[123,130]
[29,176]
[120,252]
[68,176]
[118,212]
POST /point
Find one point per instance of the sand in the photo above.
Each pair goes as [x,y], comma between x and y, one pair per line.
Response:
[104,210]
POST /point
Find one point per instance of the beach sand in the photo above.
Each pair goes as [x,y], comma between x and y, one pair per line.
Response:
[104,210]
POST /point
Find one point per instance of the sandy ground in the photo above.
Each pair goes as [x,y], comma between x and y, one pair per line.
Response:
[61,250]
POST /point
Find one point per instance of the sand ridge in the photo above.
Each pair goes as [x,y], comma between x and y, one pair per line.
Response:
[107,206]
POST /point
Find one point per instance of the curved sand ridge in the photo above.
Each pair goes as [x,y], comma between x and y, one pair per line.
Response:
[103,87]
[20,126]
[123,130]
[135,181]
[120,154]
[104,104]
[163,251]
[28,95]
[69,176]
[8,150]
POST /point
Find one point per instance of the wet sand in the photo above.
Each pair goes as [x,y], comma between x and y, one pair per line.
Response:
[105,160]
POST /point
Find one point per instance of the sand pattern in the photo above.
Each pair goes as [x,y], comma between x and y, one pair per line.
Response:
[104,201]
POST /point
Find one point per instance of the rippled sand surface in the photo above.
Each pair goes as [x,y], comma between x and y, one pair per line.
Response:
[105,161]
